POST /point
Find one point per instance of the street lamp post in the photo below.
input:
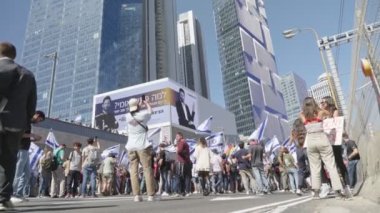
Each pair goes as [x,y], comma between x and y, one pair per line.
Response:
[53,56]
[290,33]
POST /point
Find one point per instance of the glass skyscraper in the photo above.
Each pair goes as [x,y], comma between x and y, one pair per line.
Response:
[294,89]
[192,57]
[102,45]
[250,80]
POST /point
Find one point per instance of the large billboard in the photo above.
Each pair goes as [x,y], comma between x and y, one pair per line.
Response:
[170,102]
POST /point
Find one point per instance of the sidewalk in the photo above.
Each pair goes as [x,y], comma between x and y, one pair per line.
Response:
[357,204]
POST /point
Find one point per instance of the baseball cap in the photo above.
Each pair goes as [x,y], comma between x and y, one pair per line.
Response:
[133,104]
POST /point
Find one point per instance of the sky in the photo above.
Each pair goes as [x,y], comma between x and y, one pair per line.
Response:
[299,54]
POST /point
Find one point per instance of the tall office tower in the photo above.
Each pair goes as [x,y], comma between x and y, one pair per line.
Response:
[192,57]
[250,80]
[294,89]
[321,89]
[101,45]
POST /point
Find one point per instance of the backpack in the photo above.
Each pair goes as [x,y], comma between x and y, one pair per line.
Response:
[54,164]
[92,157]
[50,164]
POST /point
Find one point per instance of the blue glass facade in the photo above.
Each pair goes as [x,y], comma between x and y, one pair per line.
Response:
[99,45]
[250,81]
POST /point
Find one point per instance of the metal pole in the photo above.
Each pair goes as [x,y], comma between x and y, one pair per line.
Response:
[52,79]
[324,64]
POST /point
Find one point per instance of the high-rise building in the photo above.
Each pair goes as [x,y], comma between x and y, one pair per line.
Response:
[101,46]
[192,57]
[320,89]
[294,90]
[250,80]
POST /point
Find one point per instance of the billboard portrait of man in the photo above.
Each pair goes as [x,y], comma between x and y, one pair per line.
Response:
[185,117]
[106,119]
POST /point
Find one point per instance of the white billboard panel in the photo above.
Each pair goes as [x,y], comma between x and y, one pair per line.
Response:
[170,103]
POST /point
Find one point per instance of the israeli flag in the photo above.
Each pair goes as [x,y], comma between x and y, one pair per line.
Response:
[215,140]
[113,149]
[290,146]
[272,145]
[154,132]
[171,148]
[51,141]
[35,153]
[205,127]
[154,138]
[123,159]
[192,144]
[258,134]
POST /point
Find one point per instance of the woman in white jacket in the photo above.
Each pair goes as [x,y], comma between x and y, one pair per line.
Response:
[203,163]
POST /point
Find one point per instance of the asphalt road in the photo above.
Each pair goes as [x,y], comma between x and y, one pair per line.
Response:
[238,203]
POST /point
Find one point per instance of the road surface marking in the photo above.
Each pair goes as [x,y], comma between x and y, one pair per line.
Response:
[271,205]
[282,208]
[234,198]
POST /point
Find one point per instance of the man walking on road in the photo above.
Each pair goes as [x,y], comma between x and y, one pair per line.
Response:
[256,152]
[18,97]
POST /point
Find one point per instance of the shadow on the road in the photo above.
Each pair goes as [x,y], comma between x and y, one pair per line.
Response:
[37,209]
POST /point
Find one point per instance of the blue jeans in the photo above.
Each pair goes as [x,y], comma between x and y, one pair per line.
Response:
[89,171]
[293,178]
[352,172]
[22,174]
[45,180]
[165,180]
[217,181]
[226,182]
[261,180]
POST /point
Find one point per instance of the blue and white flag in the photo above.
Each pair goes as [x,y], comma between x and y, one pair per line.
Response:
[215,140]
[272,145]
[258,134]
[123,159]
[192,144]
[205,127]
[35,153]
[51,141]
[113,149]
[155,131]
[171,148]
[154,138]
[290,146]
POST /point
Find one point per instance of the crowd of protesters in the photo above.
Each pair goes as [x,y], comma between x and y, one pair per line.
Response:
[246,167]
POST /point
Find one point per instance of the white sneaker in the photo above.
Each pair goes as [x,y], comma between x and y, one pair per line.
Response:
[137,198]
[153,198]
[299,192]
[325,189]
[187,195]
[18,200]
[247,192]
[164,194]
